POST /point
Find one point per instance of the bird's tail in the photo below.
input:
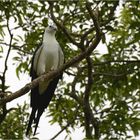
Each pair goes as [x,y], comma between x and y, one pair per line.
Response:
[32,117]
[39,113]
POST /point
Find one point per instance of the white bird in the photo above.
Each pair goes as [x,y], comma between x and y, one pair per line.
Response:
[47,57]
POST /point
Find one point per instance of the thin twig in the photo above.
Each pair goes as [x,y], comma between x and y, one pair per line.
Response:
[90,30]
[4,108]
[66,32]
[111,14]
[94,18]
[117,61]
[68,124]
[109,74]
[19,48]
[72,94]
[9,49]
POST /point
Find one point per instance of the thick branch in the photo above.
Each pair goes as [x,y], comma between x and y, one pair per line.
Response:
[52,74]
[86,105]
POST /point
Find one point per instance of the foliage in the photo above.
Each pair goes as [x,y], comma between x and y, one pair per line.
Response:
[114,94]
[15,123]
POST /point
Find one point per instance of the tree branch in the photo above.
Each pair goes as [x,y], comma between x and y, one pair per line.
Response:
[68,124]
[86,105]
[4,108]
[94,18]
[111,14]
[90,30]
[110,74]
[117,61]
[19,48]
[65,127]
[7,56]
[73,92]
[52,74]
[72,40]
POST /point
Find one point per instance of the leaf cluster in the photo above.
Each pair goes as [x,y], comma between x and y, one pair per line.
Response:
[114,93]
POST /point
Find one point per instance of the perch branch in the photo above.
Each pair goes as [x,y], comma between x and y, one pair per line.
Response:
[52,74]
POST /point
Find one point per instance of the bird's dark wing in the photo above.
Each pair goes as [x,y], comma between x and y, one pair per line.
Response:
[32,72]
[34,94]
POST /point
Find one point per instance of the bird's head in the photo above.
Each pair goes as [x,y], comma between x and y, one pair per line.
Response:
[51,29]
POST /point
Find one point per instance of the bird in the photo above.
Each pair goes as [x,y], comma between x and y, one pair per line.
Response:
[47,57]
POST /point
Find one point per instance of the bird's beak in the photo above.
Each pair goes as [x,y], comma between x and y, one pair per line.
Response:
[54,28]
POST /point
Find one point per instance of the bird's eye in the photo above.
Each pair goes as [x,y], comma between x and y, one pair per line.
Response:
[50,26]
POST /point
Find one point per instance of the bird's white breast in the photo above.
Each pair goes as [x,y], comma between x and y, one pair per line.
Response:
[48,58]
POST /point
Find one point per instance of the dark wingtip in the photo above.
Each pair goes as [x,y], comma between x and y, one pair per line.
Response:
[37,119]
[32,117]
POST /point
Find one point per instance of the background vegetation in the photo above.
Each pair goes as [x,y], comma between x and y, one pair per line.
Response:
[102,95]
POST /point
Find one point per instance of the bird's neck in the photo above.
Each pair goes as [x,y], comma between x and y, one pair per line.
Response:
[48,38]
